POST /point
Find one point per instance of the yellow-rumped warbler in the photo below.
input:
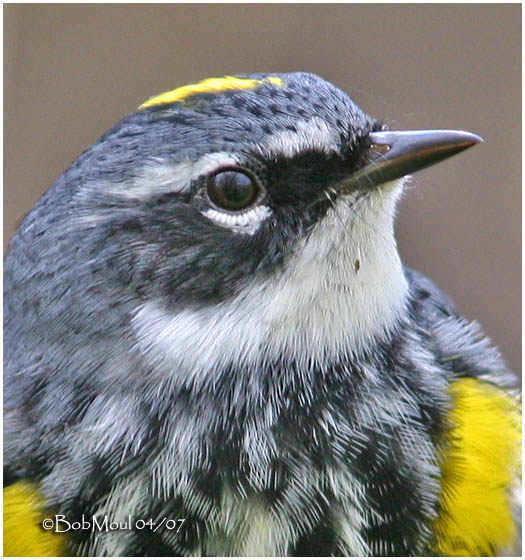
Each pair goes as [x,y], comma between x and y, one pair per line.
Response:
[213,348]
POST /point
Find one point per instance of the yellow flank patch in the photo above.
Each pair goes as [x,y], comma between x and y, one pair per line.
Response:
[479,471]
[23,532]
[210,85]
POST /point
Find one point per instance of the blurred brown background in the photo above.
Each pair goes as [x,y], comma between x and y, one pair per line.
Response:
[71,71]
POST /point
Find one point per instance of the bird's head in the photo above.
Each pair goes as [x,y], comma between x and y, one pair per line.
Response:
[246,212]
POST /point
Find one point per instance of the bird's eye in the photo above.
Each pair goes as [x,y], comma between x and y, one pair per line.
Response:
[232,189]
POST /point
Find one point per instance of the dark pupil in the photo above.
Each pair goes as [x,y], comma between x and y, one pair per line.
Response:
[232,190]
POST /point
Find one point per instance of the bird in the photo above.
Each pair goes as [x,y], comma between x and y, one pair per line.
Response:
[213,348]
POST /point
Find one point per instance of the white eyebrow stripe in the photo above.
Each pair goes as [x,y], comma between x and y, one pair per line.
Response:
[313,134]
[157,177]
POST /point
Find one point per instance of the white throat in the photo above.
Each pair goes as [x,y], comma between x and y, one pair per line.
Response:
[342,288]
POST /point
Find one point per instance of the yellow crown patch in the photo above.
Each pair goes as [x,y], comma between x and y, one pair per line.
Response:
[210,85]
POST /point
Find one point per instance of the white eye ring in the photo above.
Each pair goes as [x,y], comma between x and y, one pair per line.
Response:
[246,222]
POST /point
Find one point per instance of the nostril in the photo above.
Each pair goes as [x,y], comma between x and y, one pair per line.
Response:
[376,150]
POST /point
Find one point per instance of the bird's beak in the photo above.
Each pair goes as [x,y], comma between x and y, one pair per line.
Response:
[393,154]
